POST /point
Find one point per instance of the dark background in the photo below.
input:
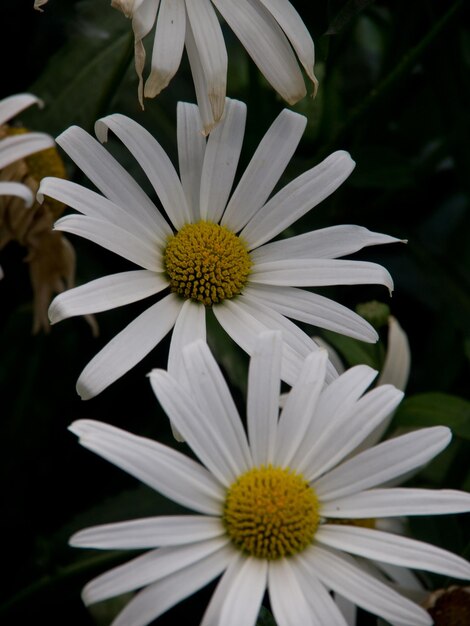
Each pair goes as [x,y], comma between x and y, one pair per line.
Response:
[394,92]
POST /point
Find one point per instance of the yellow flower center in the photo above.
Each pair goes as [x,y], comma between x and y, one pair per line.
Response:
[271,513]
[206,262]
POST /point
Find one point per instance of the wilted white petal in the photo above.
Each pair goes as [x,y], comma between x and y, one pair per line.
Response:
[267,45]
[209,43]
[168,46]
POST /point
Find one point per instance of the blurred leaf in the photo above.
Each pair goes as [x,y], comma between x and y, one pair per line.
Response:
[435,409]
[354,352]
[347,12]
[382,168]
[80,80]
[265,618]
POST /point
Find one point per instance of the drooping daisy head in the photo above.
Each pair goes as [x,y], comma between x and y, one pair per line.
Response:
[271,31]
[287,506]
[15,147]
[209,245]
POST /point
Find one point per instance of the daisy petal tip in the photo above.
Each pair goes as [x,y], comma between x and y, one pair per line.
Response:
[101,131]
[83,391]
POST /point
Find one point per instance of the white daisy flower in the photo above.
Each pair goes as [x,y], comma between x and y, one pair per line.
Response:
[211,250]
[14,148]
[272,32]
[269,505]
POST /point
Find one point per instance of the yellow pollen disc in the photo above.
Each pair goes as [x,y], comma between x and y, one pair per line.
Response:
[271,513]
[207,262]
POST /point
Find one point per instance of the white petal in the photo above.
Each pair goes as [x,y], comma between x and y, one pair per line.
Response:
[288,602]
[153,160]
[396,502]
[383,462]
[198,429]
[245,594]
[12,105]
[150,532]
[212,613]
[20,146]
[143,17]
[323,608]
[320,273]
[211,392]
[243,320]
[297,198]
[314,309]
[395,549]
[191,148]
[111,178]
[264,382]
[167,471]
[324,243]
[297,33]
[129,347]
[336,399]
[264,170]
[342,574]
[300,406]
[95,205]
[349,430]
[210,45]
[17,189]
[190,326]
[106,293]
[147,568]
[113,238]
[168,46]
[200,83]
[267,45]
[221,160]
[162,595]
[396,368]
[348,609]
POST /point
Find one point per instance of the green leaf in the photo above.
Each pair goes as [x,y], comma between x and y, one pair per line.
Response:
[265,618]
[433,409]
[353,351]
[80,80]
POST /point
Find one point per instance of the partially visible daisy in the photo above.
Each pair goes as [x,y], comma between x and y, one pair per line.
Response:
[14,148]
[272,32]
[269,504]
[211,249]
